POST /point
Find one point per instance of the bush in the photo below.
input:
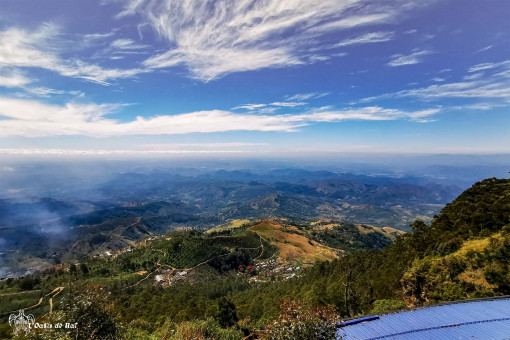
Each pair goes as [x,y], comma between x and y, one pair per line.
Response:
[202,330]
[297,323]
[227,315]
[89,309]
[28,283]
[381,306]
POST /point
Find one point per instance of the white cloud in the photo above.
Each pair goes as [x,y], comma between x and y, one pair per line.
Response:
[489,66]
[33,119]
[485,48]
[47,92]
[477,106]
[473,76]
[208,64]
[126,44]
[306,96]
[476,85]
[410,59]
[367,38]
[213,39]
[94,37]
[13,79]
[356,20]
[264,108]
[287,104]
[249,106]
[20,48]
[469,89]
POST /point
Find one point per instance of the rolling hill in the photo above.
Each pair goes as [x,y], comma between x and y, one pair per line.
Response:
[188,279]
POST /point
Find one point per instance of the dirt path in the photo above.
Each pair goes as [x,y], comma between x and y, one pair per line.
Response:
[262,249]
[54,293]
[51,295]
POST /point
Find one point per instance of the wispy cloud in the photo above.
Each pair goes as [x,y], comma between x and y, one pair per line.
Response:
[484,48]
[477,85]
[33,119]
[415,57]
[489,66]
[290,102]
[213,39]
[306,96]
[472,76]
[126,44]
[10,78]
[468,89]
[15,79]
[287,104]
[249,106]
[261,108]
[26,49]
[367,38]
[95,37]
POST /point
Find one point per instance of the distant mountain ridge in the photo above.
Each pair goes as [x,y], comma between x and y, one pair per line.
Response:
[254,268]
[164,201]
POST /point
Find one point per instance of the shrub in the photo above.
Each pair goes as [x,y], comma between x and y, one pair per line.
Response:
[381,306]
[298,323]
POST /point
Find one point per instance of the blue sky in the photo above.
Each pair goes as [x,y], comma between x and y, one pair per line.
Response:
[275,76]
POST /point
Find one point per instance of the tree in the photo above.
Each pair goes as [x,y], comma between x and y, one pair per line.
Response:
[27,284]
[84,269]
[91,313]
[227,314]
[298,323]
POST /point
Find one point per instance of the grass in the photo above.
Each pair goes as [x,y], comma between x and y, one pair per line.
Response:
[234,224]
[477,245]
[291,244]
[476,277]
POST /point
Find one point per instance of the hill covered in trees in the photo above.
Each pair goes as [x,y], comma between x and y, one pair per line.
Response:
[63,222]
[239,279]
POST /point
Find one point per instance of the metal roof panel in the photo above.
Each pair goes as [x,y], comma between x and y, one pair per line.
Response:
[465,320]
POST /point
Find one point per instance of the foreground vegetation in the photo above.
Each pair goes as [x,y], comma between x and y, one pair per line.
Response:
[463,253]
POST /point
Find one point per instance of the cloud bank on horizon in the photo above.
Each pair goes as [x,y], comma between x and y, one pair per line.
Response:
[274,72]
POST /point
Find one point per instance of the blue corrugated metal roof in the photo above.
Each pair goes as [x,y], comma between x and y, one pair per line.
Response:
[468,320]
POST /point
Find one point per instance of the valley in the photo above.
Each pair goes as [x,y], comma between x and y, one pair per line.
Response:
[167,283]
[40,232]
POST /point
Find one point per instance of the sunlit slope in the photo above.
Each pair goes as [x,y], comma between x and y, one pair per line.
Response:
[292,244]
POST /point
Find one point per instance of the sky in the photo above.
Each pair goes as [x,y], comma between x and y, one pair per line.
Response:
[166,77]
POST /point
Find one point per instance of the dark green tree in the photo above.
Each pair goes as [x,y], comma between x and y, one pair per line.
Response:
[84,269]
[227,315]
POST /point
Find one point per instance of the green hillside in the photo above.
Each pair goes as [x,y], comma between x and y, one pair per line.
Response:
[239,279]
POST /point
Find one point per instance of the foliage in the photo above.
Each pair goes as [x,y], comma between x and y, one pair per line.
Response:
[90,310]
[202,330]
[299,323]
[346,236]
[386,305]
[227,316]
[462,254]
